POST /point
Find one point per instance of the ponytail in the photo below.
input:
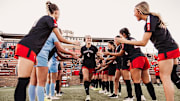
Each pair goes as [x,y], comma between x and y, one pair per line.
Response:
[125,31]
[112,43]
[162,24]
[143,8]
[51,7]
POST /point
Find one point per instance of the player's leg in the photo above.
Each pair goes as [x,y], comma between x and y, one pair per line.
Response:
[174,76]
[136,77]
[41,81]
[127,79]
[32,85]
[25,67]
[147,81]
[165,68]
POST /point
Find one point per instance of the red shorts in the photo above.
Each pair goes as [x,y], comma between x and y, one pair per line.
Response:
[25,52]
[105,72]
[97,73]
[91,70]
[140,62]
[169,55]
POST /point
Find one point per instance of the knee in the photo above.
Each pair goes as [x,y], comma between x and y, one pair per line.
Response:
[53,80]
[42,81]
[136,80]
[86,79]
[164,76]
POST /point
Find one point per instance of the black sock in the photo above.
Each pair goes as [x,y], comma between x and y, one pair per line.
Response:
[96,83]
[100,83]
[129,88]
[174,77]
[119,87]
[107,86]
[138,91]
[151,90]
[20,91]
[103,85]
[86,87]
[111,86]
[93,82]
[57,86]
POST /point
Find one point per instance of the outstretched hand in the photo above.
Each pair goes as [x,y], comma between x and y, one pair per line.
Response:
[75,56]
[121,40]
[106,53]
[76,43]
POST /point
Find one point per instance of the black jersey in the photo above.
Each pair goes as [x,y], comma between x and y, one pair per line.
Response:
[118,58]
[121,60]
[160,37]
[131,50]
[89,56]
[39,33]
[111,51]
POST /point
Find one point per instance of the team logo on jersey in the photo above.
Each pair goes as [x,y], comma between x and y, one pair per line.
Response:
[148,23]
[55,23]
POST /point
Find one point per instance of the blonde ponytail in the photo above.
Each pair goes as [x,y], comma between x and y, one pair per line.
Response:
[143,8]
[162,24]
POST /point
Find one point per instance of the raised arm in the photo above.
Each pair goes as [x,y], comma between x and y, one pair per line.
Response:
[115,54]
[61,49]
[62,39]
[143,42]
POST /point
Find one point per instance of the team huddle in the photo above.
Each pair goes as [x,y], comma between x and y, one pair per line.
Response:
[37,61]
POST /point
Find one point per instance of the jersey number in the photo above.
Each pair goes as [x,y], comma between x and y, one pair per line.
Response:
[88,55]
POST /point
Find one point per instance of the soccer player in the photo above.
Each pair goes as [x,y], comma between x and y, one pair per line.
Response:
[111,68]
[39,74]
[59,78]
[139,66]
[168,50]
[121,69]
[88,52]
[28,48]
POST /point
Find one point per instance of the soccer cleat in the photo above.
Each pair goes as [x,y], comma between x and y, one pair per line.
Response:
[114,96]
[119,94]
[88,98]
[101,91]
[59,94]
[54,98]
[96,89]
[143,98]
[106,93]
[47,96]
[110,94]
[128,99]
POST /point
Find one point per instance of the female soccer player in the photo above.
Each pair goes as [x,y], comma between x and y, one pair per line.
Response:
[122,68]
[168,50]
[139,66]
[88,52]
[59,78]
[28,48]
[111,68]
[39,74]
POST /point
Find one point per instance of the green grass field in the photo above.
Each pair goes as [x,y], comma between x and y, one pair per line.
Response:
[77,93]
